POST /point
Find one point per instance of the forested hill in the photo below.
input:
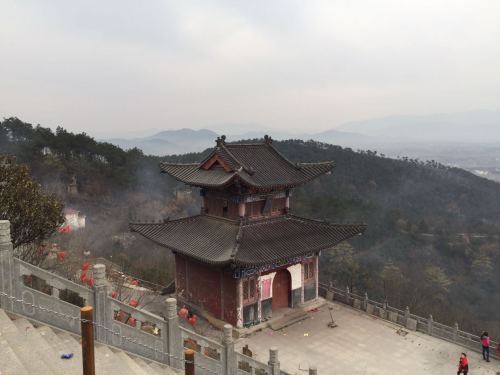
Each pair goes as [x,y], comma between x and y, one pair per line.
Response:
[431,241]
[427,196]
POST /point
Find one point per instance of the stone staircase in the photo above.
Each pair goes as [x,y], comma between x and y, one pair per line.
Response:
[27,349]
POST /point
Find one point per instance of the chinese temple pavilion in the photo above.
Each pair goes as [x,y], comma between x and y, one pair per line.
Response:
[245,255]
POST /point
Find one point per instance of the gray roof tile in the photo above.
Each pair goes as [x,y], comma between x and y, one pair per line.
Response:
[258,165]
[216,240]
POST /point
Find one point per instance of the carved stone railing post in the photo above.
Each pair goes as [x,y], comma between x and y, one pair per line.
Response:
[6,266]
[348,295]
[365,302]
[173,340]
[430,325]
[102,316]
[329,292]
[455,332]
[407,315]
[274,363]
[230,355]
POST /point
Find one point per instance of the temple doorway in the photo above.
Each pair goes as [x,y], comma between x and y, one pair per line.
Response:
[282,284]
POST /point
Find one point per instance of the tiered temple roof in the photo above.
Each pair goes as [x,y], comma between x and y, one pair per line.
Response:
[257,165]
[222,241]
[246,241]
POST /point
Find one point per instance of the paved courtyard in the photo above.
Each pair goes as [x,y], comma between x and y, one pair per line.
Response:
[361,344]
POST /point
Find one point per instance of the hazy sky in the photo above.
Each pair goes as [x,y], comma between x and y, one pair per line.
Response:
[119,67]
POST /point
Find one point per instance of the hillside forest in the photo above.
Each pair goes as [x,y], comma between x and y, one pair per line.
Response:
[432,241]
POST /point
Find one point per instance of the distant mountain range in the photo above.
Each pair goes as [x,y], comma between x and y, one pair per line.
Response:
[184,140]
[389,133]
[170,142]
[465,127]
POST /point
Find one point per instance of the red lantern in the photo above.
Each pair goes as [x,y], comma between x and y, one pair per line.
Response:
[119,316]
[65,229]
[83,278]
[131,322]
[85,266]
[133,303]
[114,294]
[192,320]
[183,313]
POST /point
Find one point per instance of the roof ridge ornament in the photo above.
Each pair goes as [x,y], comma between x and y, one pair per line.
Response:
[267,139]
[220,141]
[237,242]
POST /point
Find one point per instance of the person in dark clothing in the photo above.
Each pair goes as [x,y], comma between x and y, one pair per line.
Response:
[463,365]
[485,342]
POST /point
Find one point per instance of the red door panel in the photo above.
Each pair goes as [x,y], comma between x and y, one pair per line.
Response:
[281,289]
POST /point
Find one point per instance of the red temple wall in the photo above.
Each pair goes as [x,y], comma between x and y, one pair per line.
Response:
[215,207]
[230,299]
[180,275]
[207,288]
[256,209]
[226,206]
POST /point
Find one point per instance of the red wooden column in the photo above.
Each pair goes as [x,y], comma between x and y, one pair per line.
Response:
[239,303]
[241,208]
[302,282]
[316,270]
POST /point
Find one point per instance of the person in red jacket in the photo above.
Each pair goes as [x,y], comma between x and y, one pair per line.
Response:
[485,343]
[463,365]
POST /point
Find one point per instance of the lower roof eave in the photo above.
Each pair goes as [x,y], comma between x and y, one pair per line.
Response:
[177,251]
[311,251]
[245,256]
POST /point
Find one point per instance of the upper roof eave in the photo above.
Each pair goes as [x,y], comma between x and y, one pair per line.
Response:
[247,180]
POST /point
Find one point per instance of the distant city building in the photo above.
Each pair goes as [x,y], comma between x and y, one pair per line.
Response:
[246,256]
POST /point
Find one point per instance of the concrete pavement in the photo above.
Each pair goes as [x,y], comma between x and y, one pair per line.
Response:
[360,345]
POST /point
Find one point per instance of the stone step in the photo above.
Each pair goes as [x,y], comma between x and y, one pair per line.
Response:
[9,363]
[19,344]
[103,364]
[173,371]
[288,320]
[25,350]
[40,346]
[131,363]
[71,366]
[164,369]
[142,363]
[157,368]
[109,362]
[70,346]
